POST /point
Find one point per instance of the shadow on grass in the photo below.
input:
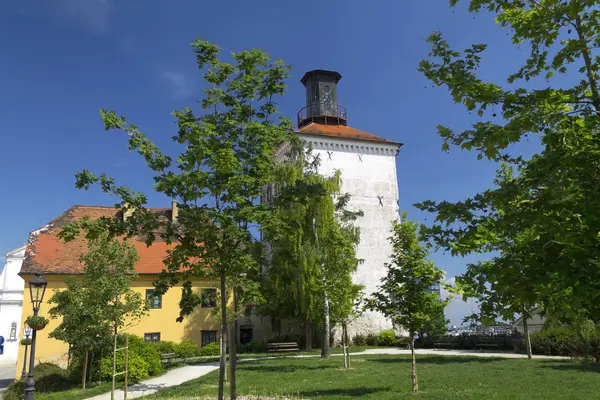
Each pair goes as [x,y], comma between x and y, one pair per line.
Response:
[572,366]
[352,392]
[284,368]
[422,359]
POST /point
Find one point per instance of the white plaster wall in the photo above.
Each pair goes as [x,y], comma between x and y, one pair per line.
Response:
[365,178]
[11,303]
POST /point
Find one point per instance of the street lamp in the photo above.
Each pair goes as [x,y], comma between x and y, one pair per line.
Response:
[37,288]
[27,331]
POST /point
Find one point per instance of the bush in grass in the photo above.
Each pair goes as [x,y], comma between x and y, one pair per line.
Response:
[48,378]
[187,349]
[164,346]
[359,340]
[144,360]
[138,368]
[386,338]
[253,347]
[210,349]
[371,340]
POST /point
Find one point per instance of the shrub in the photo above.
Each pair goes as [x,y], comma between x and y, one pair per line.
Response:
[187,349]
[560,341]
[386,338]
[359,340]
[210,349]
[371,340]
[253,347]
[165,346]
[48,378]
[138,368]
[144,360]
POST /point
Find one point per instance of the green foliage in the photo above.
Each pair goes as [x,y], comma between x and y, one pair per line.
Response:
[386,338]
[371,339]
[541,216]
[402,296]
[312,243]
[226,159]
[91,308]
[187,349]
[437,326]
[138,368]
[48,378]
[144,360]
[36,322]
[569,341]
[165,346]
[210,349]
[359,340]
[254,347]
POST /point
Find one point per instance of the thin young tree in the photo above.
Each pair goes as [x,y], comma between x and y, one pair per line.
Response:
[227,158]
[101,303]
[403,295]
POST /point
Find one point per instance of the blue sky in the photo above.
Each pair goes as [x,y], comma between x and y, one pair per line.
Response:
[63,60]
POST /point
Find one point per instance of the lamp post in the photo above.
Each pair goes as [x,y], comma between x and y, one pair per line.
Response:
[37,288]
[28,331]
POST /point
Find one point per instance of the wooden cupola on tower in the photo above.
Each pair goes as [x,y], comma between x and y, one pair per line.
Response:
[321,99]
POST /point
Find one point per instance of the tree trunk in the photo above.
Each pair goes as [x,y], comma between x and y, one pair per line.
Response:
[415,382]
[222,371]
[84,372]
[325,350]
[307,336]
[527,337]
[91,373]
[345,346]
[233,350]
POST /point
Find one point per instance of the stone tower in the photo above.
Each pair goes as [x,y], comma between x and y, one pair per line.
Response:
[368,167]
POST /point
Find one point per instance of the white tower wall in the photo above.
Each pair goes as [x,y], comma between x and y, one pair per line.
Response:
[368,173]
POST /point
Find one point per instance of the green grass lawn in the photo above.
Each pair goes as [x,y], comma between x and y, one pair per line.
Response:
[388,377]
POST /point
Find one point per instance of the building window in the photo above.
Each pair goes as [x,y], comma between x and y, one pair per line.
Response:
[209,298]
[152,337]
[13,331]
[153,301]
[209,337]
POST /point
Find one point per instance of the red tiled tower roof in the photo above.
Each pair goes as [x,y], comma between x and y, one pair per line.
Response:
[340,131]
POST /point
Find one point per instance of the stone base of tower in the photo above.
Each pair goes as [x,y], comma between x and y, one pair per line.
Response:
[370,323]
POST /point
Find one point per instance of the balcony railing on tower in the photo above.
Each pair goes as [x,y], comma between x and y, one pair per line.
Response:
[322,113]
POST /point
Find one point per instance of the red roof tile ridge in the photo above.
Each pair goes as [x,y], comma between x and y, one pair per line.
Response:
[338,131]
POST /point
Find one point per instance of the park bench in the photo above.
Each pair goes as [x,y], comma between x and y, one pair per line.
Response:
[447,344]
[167,358]
[490,343]
[282,347]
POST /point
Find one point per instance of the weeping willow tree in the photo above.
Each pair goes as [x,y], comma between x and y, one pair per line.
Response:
[311,244]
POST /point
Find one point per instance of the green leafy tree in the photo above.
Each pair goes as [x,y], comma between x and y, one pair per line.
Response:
[226,160]
[101,303]
[541,215]
[437,326]
[403,296]
[311,243]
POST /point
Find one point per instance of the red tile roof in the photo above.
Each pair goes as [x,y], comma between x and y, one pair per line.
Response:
[47,254]
[340,131]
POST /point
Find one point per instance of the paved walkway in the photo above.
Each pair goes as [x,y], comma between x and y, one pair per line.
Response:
[180,375]
[7,376]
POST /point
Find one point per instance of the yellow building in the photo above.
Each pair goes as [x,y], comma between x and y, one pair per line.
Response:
[57,260]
